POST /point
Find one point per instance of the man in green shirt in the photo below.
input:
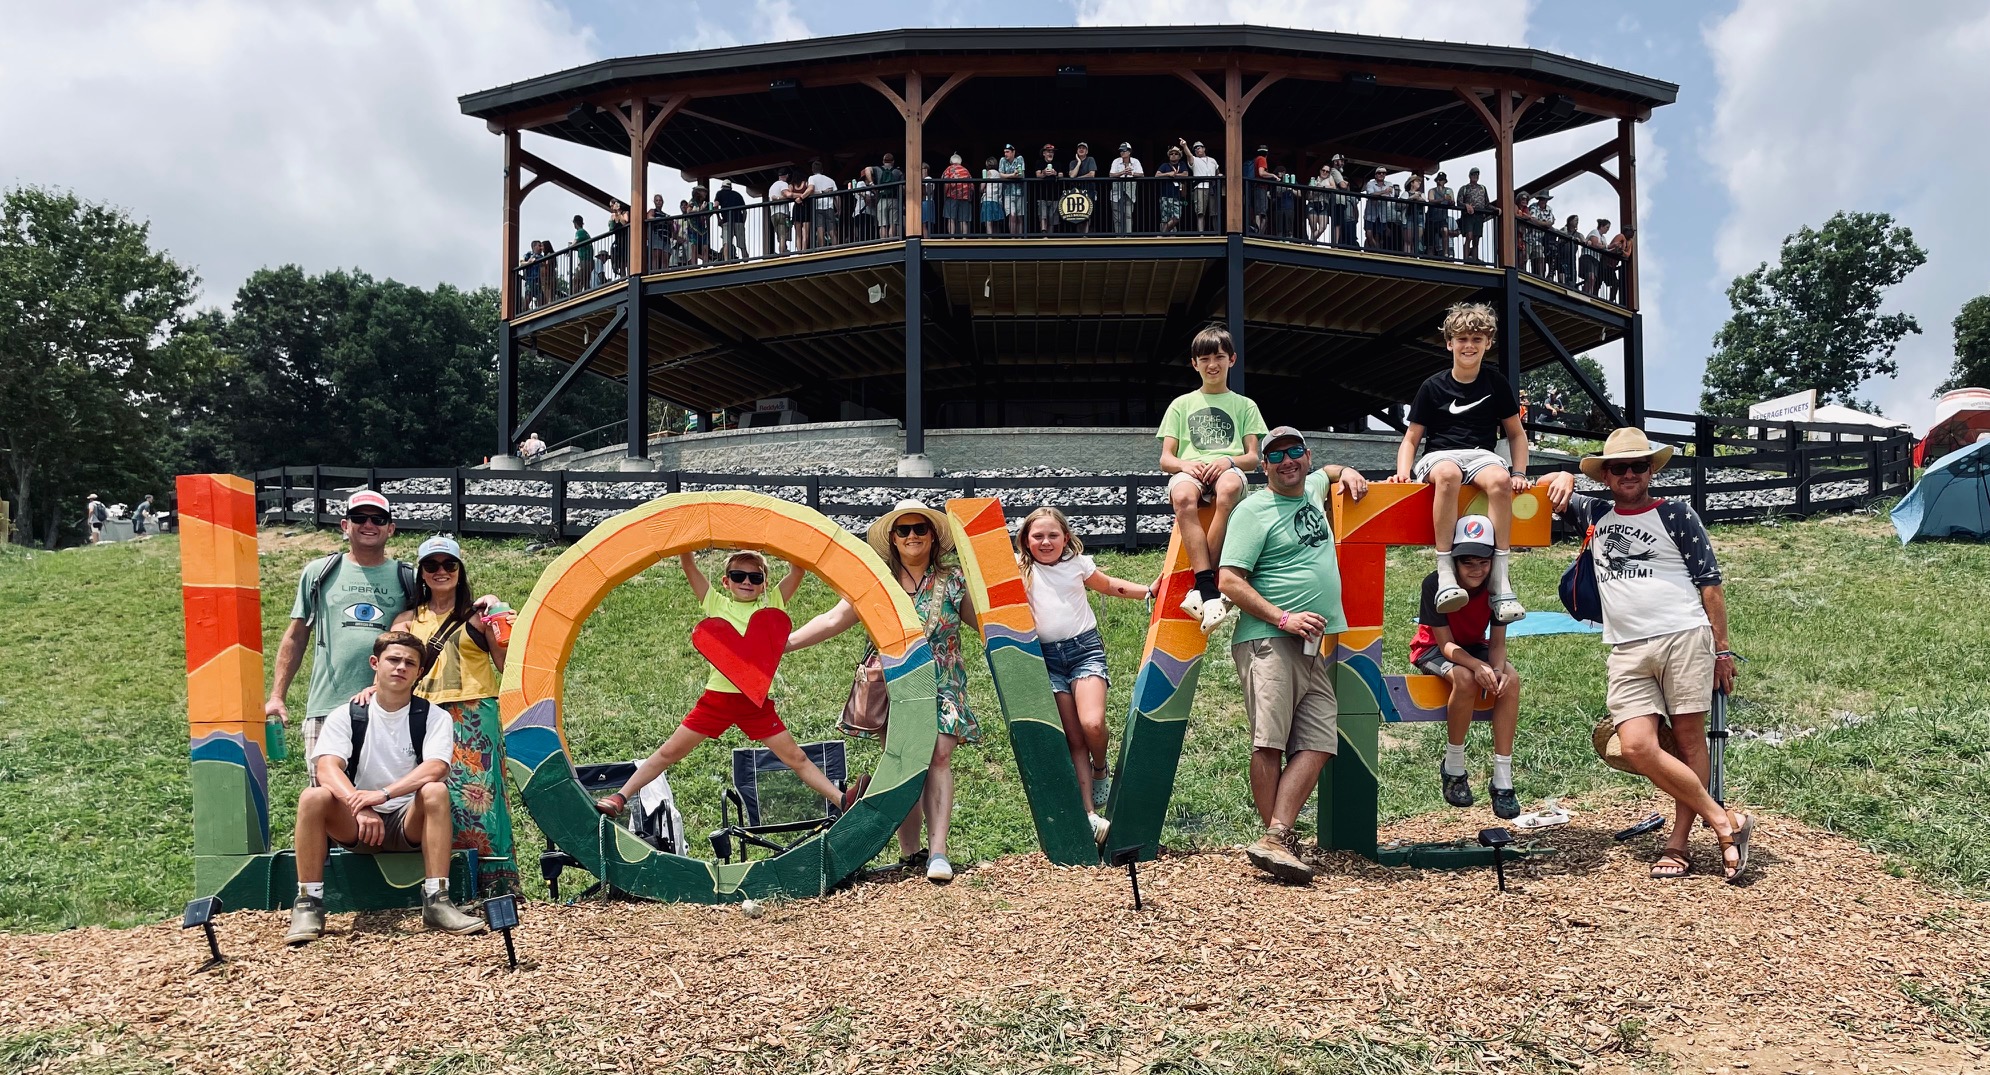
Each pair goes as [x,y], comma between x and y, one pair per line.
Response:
[350,598]
[1278,568]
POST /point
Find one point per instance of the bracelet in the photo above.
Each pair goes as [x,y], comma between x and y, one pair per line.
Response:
[1282,618]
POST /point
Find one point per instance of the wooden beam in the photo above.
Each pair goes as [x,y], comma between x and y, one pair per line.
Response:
[741,128]
[1585,162]
[878,84]
[915,151]
[933,100]
[508,237]
[1411,118]
[1233,149]
[1194,78]
[1263,84]
[1503,162]
[1471,97]
[642,134]
[1627,213]
[564,179]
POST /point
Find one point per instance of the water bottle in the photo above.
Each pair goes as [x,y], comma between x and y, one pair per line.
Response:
[273,747]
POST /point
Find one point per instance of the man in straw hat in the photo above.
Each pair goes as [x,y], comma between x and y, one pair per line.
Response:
[1665,620]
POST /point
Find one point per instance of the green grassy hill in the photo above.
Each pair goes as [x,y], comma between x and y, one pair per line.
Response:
[1861,649]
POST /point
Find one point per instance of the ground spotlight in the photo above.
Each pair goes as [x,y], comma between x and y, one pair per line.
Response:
[201,913]
[1129,857]
[501,914]
[1498,840]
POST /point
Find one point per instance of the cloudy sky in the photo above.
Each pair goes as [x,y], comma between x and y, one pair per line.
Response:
[327,134]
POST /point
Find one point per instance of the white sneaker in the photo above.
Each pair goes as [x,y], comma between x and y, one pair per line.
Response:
[1192,604]
[1100,826]
[1452,598]
[939,870]
[1213,613]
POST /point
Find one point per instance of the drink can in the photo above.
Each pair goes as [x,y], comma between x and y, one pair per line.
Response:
[1313,645]
[273,747]
[500,626]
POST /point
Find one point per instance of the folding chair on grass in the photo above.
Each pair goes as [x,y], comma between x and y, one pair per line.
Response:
[652,818]
[767,799]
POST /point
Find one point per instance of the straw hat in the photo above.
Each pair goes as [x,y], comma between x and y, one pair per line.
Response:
[879,535]
[1627,443]
[1610,748]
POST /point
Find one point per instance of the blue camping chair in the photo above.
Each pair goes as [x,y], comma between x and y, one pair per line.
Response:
[767,799]
[652,818]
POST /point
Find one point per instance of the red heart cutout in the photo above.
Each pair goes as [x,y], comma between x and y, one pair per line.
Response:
[746,660]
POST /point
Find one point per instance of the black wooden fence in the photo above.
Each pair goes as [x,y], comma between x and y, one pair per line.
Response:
[1773,468]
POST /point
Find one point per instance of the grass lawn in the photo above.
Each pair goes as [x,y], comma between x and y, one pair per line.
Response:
[1856,649]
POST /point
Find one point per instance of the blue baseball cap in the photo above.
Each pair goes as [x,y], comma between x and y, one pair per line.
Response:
[439,544]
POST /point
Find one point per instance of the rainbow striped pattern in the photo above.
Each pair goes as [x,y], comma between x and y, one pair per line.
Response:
[222,600]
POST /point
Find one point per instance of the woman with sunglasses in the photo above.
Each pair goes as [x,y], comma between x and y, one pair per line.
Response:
[913,540]
[465,652]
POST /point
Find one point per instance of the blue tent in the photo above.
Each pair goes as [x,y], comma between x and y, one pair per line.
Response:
[1951,499]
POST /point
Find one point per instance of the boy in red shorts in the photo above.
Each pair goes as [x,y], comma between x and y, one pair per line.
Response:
[741,592]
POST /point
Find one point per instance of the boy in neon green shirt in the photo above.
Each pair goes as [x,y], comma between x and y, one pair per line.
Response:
[1209,439]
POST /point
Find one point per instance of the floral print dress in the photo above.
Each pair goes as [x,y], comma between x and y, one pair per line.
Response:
[942,593]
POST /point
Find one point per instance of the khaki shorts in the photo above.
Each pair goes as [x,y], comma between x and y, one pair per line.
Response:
[1671,675]
[393,835]
[1288,696]
[1206,492]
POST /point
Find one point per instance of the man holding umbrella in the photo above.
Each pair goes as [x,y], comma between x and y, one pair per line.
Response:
[1665,620]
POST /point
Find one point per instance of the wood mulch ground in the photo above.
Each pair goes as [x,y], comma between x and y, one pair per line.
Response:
[1808,968]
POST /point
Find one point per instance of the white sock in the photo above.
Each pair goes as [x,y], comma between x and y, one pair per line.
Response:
[432,885]
[1498,581]
[1447,575]
[1454,759]
[1502,771]
[313,889]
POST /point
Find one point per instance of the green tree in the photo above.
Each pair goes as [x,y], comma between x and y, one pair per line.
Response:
[1813,321]
[1553,381]
[91,355]
[1972,347]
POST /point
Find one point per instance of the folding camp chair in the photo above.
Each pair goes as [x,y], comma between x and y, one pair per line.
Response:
[767,799]
[651,818]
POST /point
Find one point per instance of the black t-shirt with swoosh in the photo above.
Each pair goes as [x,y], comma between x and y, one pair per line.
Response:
[1456,416]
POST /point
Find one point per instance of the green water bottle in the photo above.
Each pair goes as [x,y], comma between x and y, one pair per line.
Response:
[273,740]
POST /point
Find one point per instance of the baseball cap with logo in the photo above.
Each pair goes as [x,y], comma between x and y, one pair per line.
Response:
[369,498]
[1280,433]
[1473,537]
[440,544]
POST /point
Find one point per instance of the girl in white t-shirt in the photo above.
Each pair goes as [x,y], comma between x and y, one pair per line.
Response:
[1056,572]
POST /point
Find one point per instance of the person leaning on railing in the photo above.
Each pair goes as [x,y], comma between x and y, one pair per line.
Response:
[889,178]
[1474,209]
[1173,193]
[1437,225]
[1413,194]
[1204,197]
[1617,263]
[1010,168]
[1047,175]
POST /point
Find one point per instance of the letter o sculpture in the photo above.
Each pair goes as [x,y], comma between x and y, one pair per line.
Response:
[615,551]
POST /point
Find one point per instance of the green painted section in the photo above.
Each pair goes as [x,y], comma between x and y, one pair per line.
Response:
[1348,785]
[268,882]
[1043,756]
[225,817]
[1149,754]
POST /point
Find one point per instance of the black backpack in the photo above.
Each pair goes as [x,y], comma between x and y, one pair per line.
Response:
[417,732]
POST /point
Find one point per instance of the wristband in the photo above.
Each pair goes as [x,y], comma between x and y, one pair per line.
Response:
[1282,618]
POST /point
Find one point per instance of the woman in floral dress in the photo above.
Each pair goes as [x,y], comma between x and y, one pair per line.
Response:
[914,540]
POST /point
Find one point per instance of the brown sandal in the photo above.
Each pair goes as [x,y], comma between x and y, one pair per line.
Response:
[1739,842]
[1671,857]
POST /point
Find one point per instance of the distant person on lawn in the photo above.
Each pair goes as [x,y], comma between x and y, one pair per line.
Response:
[344,601]
[1665,619]
[1280,570]
[1468,650]
[379,790]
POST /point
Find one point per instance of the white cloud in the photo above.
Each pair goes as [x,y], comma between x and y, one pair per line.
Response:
[251,134]
[1502,22]
[1824,106]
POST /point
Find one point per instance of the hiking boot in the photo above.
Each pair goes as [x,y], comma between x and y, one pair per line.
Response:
[1271,855]
[1457,789]
[1505,804]
[1452,598]
[438,913]
[1506,609]
[307,920]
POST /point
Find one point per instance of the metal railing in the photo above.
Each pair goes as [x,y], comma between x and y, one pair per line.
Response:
[1029,207]
[1569,259]
[1414,227]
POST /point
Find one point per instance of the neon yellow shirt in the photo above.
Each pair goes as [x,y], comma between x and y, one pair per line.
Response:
[721,603]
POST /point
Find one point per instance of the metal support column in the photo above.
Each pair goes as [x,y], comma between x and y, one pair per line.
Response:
[1234,293]
[507,401]
[913,463]
[1634,372]
[637,337]
[1509,328]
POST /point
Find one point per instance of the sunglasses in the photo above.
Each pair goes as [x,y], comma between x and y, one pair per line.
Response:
[912,529]
[751,578]
[1279,455]
[1621,469]
[366,517]
[447,567]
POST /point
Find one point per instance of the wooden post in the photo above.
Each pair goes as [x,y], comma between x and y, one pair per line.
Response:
[1508,224]
[1627,205]
[508,268]
[1233,149]
[915,149]
[639,180]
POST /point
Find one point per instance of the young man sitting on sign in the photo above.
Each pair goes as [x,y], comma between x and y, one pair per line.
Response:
[381,768]
[1468,650]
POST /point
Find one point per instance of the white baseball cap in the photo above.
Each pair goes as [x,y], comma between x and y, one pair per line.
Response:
[1473,537]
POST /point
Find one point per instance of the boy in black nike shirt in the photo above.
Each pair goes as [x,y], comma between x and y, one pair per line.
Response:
[1462,411]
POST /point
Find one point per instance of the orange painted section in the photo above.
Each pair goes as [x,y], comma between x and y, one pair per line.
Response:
[1394,513]
[218,617]
[222,604]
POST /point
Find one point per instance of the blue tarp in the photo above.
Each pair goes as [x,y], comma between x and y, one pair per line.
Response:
[1952,499]
[1550,623]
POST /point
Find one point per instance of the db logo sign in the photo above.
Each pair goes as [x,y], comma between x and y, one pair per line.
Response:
[1075,207]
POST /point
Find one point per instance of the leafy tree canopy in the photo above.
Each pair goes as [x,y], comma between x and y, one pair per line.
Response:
[1813,320]
[1972,347]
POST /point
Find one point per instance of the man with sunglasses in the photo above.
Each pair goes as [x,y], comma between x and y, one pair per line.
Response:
[1279,568]
[1665,620]
[349,598]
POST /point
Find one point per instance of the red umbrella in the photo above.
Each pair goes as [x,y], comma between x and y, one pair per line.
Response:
[1958,430]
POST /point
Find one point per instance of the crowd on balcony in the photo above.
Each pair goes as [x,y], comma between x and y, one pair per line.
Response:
[1079,193]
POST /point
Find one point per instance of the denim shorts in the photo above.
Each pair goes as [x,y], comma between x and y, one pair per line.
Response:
[1075,658]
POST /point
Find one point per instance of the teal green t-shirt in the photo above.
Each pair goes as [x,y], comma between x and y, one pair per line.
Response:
[1206,427]
[357,604]
[1287,545]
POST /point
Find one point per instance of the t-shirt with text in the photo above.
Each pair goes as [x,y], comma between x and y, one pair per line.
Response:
[1650,565]
[1468,625]
[1457,416]
[720,603]
[388,754]
[355,606]
[1207,427]
[1286,545]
